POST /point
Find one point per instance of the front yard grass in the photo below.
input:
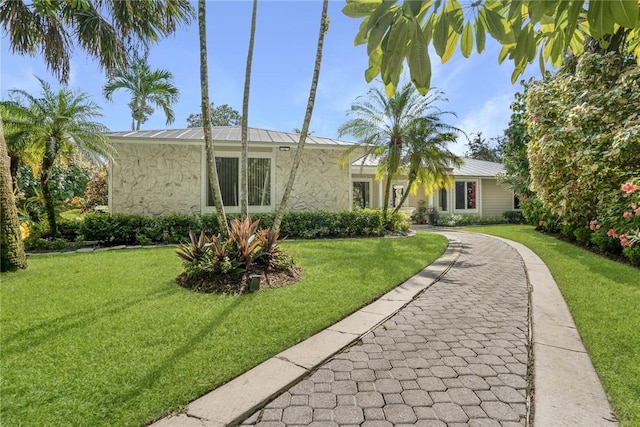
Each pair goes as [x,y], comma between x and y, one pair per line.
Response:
[109,339]
[604,299]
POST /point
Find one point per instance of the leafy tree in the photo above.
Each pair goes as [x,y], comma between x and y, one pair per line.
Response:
[97,190]
[106,30]
[481,149]
[385,127]
[526,29]
[212,170]
[147,88]
[324,27]
[244,192]
[60,126]
[223,115]
[515,160]
[428,160]
[583,148]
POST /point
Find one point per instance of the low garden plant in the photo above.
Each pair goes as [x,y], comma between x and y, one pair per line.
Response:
[225,264]
[602,296]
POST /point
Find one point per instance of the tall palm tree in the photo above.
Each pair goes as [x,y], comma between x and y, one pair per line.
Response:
[106,30]
[212,169]
[324,27]
[427,160]
[59,126]
[12,256]
[244,192]
[147,88]
[383,126]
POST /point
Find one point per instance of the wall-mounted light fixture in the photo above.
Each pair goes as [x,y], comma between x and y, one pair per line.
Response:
[283,148]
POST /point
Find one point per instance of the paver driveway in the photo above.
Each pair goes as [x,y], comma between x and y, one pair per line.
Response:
[456,355]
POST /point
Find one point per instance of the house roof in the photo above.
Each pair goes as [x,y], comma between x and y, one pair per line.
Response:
[469,167]
[229,133]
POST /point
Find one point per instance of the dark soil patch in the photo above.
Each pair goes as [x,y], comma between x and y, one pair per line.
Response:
[229,284]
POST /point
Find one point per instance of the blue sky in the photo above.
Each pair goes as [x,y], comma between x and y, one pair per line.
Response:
[479,90]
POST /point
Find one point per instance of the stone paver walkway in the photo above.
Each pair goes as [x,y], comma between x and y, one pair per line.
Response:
[455,356]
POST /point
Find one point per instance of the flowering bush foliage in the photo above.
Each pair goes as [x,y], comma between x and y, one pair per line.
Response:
[585,134]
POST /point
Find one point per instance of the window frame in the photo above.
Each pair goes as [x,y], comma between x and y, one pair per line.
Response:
[455,196]
[205,208]
[364,180]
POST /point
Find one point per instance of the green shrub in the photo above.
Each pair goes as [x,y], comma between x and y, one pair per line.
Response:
[582,235]
[39,244]
[632,253]
[513,217]
[69,229]
[174,228]
[604,242]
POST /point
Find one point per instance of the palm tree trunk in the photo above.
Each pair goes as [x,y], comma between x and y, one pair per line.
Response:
[324,27]
[12,256]
[45,174]
[385,206]
[212,170]
[244,192]
[404,196]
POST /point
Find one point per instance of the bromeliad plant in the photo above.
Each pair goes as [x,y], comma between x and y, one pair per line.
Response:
[247,250]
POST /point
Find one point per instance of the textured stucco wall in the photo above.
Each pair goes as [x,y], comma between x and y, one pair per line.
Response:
[321,183]
[156,179]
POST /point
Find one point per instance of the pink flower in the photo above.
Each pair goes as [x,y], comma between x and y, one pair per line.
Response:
[637,211]
[612,233]
[624,241]
[627,214]
[629,187]
[541,223]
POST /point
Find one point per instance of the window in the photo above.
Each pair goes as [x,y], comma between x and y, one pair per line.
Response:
[466,195]
[396,195]
[258,181]
[516,202]
[443,199]
[361,194]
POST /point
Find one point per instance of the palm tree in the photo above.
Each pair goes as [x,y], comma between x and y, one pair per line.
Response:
[59,126]
[147,87]
[107,30]
[212,169]
[428,161]
[385,125]
[324,27]
[12,256]
[244,193]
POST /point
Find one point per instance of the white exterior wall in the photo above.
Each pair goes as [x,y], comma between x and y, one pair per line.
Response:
[155,179]
[496,199]
[321,182]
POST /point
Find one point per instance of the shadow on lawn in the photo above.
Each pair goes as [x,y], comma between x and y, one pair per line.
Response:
[42,332]
[146,382]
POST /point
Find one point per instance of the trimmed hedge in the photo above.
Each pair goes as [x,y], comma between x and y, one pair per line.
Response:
[134,229]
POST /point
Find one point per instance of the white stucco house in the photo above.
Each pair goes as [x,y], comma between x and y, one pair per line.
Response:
[164,171]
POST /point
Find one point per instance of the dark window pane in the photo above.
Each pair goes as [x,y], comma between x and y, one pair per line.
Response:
[516,202]
[228,178]
[460,195]
[443,199]
[259,182]
[361,194]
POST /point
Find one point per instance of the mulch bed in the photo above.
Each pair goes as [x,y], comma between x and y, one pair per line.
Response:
[226,284]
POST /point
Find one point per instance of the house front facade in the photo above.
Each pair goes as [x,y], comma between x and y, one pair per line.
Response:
[165,171]
[474,191]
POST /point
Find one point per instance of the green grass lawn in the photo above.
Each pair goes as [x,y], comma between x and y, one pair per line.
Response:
[604,299]
[109,339]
